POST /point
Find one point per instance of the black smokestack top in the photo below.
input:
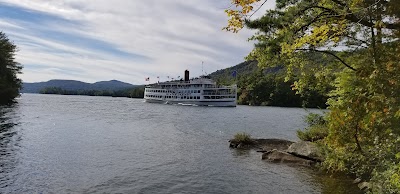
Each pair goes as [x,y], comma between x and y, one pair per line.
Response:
[186,75]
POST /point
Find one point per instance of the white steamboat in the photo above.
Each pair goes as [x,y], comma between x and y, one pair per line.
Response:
[198,91]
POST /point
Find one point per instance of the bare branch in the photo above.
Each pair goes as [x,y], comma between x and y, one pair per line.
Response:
[258,8]
[327,52]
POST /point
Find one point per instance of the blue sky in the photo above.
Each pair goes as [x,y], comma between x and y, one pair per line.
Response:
[127,40]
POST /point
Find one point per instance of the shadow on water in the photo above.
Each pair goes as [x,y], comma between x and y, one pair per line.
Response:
[9,143]
[241,152]
[336,183]
[323,182]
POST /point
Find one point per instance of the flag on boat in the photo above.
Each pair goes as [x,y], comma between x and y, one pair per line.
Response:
[234,73]
[147,79]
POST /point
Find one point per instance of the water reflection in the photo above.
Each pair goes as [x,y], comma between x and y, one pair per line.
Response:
[240,152]
[335,183]
[9,143]
[301,176]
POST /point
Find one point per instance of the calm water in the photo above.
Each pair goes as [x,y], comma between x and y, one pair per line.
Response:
[80,144]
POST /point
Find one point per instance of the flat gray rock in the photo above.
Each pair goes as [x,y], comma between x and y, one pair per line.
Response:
[284,157]
[271,144]
[305,149]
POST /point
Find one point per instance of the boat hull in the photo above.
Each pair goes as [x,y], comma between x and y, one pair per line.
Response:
[195,103]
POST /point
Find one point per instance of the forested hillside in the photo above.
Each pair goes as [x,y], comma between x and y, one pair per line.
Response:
[134,92]
[73,85]
[225,77]
[268,87]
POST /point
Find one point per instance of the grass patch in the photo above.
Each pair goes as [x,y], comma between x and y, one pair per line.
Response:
[242,138]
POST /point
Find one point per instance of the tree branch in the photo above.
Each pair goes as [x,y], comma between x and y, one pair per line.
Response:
[352,17]
[311,22]
[339,3]
[356,39]
[358,142]
[329,53]
[258,8]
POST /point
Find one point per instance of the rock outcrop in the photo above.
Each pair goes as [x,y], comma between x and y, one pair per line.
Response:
[305,149]
[271,144]
[284,157]
[241,144]
[262,144]
[283,151]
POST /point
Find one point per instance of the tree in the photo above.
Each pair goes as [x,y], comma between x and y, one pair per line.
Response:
[9,68]
[364,88]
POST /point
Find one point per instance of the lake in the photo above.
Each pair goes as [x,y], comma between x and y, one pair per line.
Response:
[82,144]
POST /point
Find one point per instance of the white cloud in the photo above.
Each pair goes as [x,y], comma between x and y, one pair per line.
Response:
[175,35]
[6,24]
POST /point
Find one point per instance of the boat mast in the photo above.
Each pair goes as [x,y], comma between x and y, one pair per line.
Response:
[202,68]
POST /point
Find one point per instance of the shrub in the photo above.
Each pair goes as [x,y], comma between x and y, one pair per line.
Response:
[242,138]
[314,119]
[316,130]
[313,133]
[387,181]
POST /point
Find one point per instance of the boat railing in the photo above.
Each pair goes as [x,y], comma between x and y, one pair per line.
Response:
[190,87]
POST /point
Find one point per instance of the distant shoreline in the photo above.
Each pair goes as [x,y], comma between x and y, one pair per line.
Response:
[83,95]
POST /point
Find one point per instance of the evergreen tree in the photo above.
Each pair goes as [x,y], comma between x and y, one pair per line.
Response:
[9,68]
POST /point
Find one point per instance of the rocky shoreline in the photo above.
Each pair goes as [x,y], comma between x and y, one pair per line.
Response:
[302,153]
[282,151]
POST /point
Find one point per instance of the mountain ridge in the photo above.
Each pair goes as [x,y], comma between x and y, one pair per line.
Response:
[111,85]
[223,75]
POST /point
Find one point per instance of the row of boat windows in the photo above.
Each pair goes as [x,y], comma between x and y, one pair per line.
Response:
[156,96]
[218,97]
[174,97]
[218,93]
[183,86]
[170,91]
[187,97]
[191,86]
[190,97]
